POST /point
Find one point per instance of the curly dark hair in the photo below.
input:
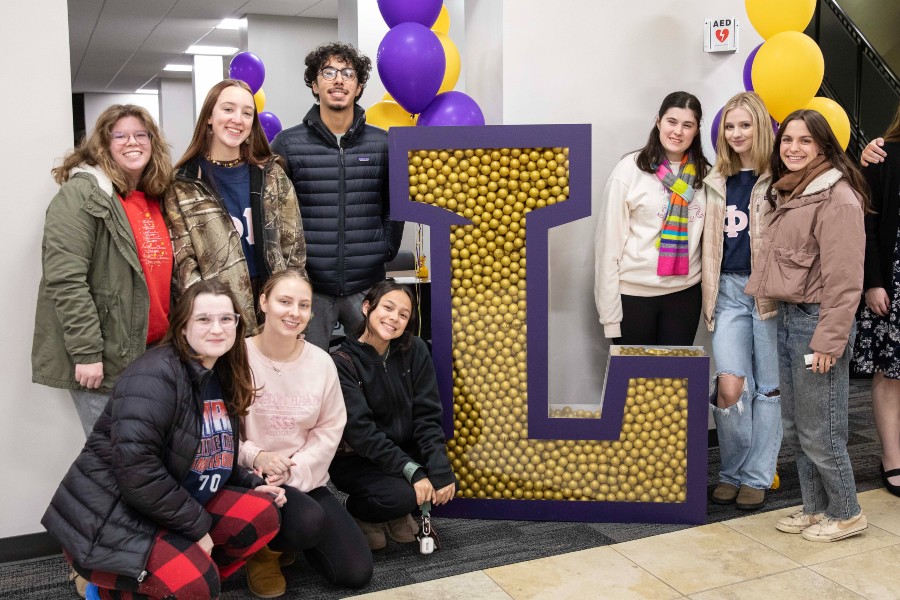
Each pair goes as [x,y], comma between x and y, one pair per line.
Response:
[318,58]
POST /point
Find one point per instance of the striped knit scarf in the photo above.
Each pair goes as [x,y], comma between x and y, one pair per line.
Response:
[673,239]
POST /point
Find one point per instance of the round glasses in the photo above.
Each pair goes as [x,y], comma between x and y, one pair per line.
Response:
[122,137]
[330,73]
[225,320]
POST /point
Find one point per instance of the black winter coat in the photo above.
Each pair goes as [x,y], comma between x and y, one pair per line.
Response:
[126,483]
[882,225]
[394,409]
[344,201]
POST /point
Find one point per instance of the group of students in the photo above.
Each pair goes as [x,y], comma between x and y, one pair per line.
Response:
[774,246]
[172,305]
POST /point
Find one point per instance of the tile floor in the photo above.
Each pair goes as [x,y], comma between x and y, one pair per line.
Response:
[745,558]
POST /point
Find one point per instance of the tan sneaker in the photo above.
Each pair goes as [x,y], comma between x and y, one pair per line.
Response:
[374,534]
[832,530]
[798,521]
[725,493]
[264,577]
[403,530]
[79,581]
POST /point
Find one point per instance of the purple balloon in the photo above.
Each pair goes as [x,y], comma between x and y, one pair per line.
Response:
[411,65]
[714,129]
[249,68]
[424,12]
[451,108]
[270,124]
[748,68]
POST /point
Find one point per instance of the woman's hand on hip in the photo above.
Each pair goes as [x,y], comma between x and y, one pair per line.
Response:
[877,301]
[89,375]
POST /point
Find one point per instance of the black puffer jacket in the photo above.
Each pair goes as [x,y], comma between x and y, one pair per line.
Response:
[394,409]
[344,201]
[126,483]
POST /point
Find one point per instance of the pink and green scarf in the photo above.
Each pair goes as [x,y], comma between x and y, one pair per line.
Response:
[673,239]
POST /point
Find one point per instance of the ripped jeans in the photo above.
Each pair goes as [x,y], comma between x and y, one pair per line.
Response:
[746,346]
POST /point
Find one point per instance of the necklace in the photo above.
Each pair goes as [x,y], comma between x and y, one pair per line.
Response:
[275,366]
[225,163]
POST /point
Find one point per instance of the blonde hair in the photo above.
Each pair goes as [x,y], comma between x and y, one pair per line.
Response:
[728,162]
[94,150]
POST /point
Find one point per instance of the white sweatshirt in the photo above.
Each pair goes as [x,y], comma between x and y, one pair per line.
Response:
[634,209]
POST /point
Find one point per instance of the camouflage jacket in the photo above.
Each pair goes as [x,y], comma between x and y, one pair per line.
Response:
[207,246]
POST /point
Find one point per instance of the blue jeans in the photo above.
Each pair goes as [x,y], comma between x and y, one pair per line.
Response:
[745,346]
[814,412]
[329,310]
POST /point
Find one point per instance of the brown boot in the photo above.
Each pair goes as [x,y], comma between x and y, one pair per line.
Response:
[725,493]
[80,582]
[403,530]
[374,534]
[264,576]
[750,498]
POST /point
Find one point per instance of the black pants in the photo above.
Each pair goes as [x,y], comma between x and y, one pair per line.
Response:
[316,523]
[667,320]
[374,496]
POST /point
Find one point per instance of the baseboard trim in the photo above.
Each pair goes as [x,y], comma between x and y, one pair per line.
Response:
[25,547]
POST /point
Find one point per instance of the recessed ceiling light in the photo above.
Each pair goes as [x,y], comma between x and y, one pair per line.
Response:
[149,92]
[231,24]
[174,67]
[214,50]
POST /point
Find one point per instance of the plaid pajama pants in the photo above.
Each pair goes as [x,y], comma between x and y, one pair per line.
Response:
[243,522]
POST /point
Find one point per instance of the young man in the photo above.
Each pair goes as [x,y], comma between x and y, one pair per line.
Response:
[339,167]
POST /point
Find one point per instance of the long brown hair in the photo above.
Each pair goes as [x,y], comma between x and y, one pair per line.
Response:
[233,367]
[893,131]
[821,133]
[373,298]
[94,150]
[256,151]
[649,156]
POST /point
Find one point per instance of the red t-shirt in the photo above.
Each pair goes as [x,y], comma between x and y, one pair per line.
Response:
[154,248]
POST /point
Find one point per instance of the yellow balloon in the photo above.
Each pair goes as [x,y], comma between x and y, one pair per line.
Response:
[259,99]
[835,115]
[387,114]
[387,96]
[442,25]
[451,73]
[770,17]
[787,72]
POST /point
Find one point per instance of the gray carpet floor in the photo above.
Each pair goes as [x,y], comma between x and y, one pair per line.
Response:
[472,544]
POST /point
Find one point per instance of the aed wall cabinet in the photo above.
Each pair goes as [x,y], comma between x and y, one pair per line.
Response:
[480,189]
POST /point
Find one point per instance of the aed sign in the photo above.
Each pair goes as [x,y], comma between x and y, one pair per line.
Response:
[720,35]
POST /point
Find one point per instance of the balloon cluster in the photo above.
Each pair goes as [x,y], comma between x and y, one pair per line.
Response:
[250,69]
[419,66]
[787,69]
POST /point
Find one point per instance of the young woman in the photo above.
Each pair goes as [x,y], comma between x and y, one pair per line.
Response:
[290,435]
[647,245]
[107,260]
[154,507]
[878,339]
[393,458]
[745,398]
[812,261]
[232,211]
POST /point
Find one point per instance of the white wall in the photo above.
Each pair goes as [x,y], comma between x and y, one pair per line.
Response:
[39,433]
[581,62]
[94,104]
[175,120]
[282,43]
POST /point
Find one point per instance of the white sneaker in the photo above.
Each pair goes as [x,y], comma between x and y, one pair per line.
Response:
[832,530]
[798,521]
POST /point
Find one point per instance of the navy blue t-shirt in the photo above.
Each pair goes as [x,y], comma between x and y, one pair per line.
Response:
[215,455]
[736,255]
[233,185]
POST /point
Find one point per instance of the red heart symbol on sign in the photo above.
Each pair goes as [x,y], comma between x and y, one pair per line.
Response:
[721,35]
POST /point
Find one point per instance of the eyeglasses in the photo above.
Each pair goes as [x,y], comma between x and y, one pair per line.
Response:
[330,73]
[225,320]
[122,137]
